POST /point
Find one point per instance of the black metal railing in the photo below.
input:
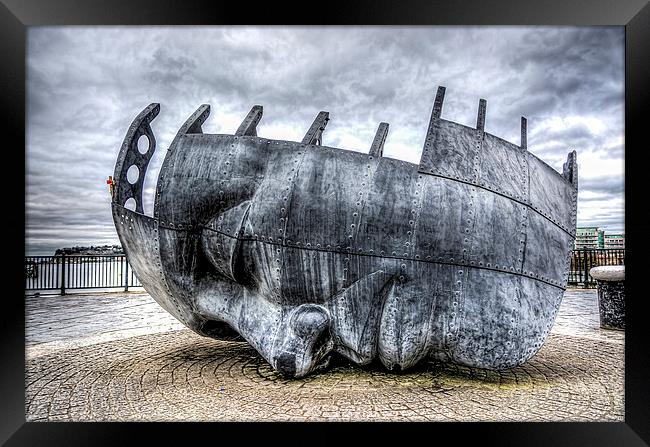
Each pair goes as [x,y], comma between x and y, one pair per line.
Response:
[584,259]
[65,272]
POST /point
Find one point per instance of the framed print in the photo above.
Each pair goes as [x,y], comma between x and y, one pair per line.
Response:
[380,213]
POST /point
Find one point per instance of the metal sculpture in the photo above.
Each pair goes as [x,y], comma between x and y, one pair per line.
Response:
[305,250]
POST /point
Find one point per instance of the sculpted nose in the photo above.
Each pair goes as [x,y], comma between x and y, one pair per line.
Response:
[306,340]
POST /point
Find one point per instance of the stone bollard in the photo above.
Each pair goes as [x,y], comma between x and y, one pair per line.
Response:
[611,295]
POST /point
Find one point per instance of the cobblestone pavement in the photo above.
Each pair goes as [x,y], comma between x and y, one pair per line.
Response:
[121,357]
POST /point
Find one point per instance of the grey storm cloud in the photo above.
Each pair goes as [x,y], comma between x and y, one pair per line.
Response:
[86,84]
[604,185]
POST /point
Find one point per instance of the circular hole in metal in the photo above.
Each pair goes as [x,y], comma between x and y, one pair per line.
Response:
[143,144]
[133,174]
[130,204]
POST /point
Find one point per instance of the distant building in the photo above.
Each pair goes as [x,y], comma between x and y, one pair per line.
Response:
[589,237]
[614,241]
[593,238]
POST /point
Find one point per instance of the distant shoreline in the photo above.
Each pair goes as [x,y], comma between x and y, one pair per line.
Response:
[92,250]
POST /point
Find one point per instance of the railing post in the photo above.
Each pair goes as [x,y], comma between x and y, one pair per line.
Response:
[586,265]
[63,274]
[579,268]
[126,274]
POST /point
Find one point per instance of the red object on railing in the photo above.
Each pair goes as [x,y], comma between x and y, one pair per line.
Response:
[111,185]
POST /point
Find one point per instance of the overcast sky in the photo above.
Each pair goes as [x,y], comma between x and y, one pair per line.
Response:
[86,84]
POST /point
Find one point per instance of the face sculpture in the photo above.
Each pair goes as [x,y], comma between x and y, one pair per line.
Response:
[305,250]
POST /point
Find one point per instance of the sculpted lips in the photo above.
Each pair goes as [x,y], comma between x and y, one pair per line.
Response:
[303,250]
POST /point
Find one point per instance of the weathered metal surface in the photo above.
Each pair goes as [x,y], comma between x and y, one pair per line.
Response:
[306,250]
[249,125]
[315,133]
[130,156]
[377,148]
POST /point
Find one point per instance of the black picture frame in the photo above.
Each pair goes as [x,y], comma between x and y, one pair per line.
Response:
[16,15]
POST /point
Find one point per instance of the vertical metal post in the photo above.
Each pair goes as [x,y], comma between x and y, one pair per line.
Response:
[584,268]
[63,274]
[126,274]
[586,273]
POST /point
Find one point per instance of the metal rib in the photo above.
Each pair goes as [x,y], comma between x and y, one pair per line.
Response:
[249,125]
[377,148]
[315,133]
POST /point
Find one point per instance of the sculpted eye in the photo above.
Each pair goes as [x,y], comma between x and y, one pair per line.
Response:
[224,250]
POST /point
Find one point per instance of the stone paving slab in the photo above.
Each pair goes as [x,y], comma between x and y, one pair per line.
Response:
[120,357]
[61,322]
[578,316]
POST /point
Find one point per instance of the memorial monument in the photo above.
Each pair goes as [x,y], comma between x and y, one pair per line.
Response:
[305,250]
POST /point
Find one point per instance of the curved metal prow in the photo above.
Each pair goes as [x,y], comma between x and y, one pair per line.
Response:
[130,156]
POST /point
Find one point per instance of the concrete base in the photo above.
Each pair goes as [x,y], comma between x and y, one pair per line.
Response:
[611,295]
[611,304]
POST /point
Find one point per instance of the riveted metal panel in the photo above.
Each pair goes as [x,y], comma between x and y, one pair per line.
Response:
[442,226]
[179,259]
[546,250]
[487,318]
[495,235]
[310,276]
[356,333]
[414,318]
[139,236]
[265,275]
[504,319]
[337,272]
[503,168]
[449,151]
[207,174]
[442,291]
[271,200]
[326,199]
[268,215]
[388,199]
[539,306]
[552,195]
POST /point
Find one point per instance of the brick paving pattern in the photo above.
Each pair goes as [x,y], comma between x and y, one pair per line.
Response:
[134,362]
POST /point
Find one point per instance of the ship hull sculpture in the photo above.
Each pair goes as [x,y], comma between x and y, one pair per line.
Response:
[305,250]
